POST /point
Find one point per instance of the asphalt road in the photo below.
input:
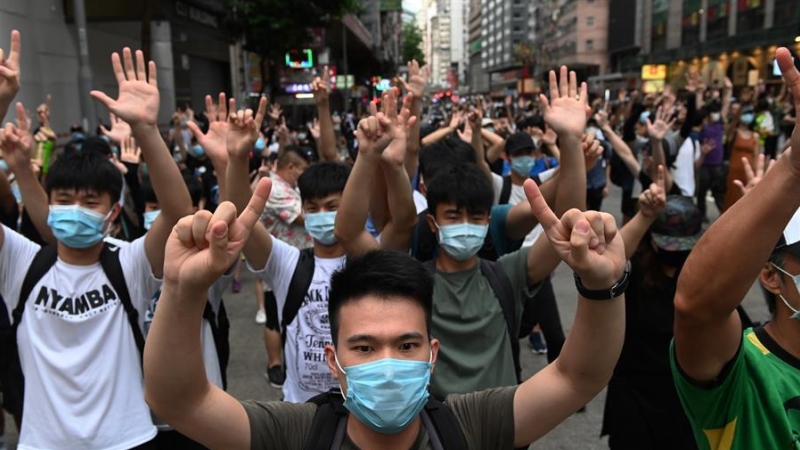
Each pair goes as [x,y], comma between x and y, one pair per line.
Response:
[581,431]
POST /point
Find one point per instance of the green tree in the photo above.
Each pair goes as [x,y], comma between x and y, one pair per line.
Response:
[412,44]
[272,27]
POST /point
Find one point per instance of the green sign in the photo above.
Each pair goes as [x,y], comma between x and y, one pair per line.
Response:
[391,5]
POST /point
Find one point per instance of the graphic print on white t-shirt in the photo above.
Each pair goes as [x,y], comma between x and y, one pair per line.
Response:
[307,373]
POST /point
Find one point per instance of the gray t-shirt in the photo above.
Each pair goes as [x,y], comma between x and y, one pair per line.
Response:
[486,418]
[474,347]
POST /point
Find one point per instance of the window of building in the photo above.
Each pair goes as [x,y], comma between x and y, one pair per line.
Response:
[690,27]
[750,15]
[658,35]
[786,11]
[589,44]
[517,29]
[717,15]
[590,21]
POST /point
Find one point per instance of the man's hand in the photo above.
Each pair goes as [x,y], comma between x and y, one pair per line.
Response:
[16,143]
[601,117]
[658,129]
[753,177]
[203,246]
[119,131]
[314,129]
[566,111]
[653,201]
[397,127]
[549,138]
[243,130]
[792,78]
[138,99]
[455,119]
[214,141]
[587,241]
[592,151]
[9,70]
[129,152]
[321,87]
[417,79]
[275,112]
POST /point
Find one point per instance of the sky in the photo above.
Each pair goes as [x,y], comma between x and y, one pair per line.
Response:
[412,5]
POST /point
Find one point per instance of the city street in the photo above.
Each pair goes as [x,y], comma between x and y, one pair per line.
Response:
[582,431]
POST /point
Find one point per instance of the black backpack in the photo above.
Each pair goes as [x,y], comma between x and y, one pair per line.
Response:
[505,193]
[504,291]
[12,377]
[298,288]
[330,424]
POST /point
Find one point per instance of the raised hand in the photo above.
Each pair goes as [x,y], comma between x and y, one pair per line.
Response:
[129,152]
[275,112]
[753,177]
[549,138]
[601,117]
[9,71]
[138,99]
[592,151]
[455,119]
[314,129]
[203,246]
[321,86]
[417,79]
[658,129]
[243,130]
[16,142]
[587,241]
[214,141]
[566,111]
[792,78]
[653,200]
[120,130]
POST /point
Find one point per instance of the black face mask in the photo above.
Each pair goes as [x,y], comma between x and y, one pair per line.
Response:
[672,259]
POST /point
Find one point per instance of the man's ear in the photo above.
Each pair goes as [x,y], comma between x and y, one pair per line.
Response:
[330,359]
[115,212]
[431,223]
[770,278]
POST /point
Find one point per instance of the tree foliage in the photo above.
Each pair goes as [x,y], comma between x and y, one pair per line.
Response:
[412,44]
[271,27]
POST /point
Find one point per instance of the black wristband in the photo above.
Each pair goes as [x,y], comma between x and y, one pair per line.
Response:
[605,294]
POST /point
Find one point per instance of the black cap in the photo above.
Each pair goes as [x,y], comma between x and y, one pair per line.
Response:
[518,142]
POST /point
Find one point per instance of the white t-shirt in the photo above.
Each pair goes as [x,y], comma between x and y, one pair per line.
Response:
[683,173]
[497,186]
[307,372]
[420,202]
[83,376]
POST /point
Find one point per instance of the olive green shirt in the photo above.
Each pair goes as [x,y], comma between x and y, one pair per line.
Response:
[474,346]
[486,418]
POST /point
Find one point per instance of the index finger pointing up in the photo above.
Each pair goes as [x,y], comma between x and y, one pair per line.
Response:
[539,207]
[255,207]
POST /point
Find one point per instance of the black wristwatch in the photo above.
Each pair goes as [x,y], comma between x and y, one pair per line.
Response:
[605,294]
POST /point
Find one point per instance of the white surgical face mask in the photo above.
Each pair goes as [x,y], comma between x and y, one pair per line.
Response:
[796,278]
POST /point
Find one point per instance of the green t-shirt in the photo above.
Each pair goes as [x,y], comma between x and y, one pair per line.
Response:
[754,405]
[475,351]
[486,418]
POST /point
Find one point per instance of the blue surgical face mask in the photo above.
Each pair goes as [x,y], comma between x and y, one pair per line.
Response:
[75,226]
[3,165]
[462,240]
[522,165]
[150,217]
[796,278]
[198,150]
[748,118]
[386,395]
[320,227]
[261,144]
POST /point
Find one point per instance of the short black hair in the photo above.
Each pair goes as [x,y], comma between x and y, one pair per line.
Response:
[442,155]
[323,179]
[98,145]
[465,185]
[90,171]
[385,274]
[291,154]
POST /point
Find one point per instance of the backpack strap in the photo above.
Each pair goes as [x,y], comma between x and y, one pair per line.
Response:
[220,329]
[330,422]
[503,290]
[444,430]
[109,260]
[424,245]
[298,288]
[45,258]
[505,193]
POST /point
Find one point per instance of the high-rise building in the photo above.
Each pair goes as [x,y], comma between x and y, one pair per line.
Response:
[477,77]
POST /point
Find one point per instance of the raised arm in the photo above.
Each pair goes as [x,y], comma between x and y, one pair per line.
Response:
[137,105]
[321,87]
[18,146]
[442,133]
[707,328]
[9,73]
[200,249]
[658,131]
[620,147]
[651,203]
[590,244]
[417,79]
[497,145]
[566,113]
